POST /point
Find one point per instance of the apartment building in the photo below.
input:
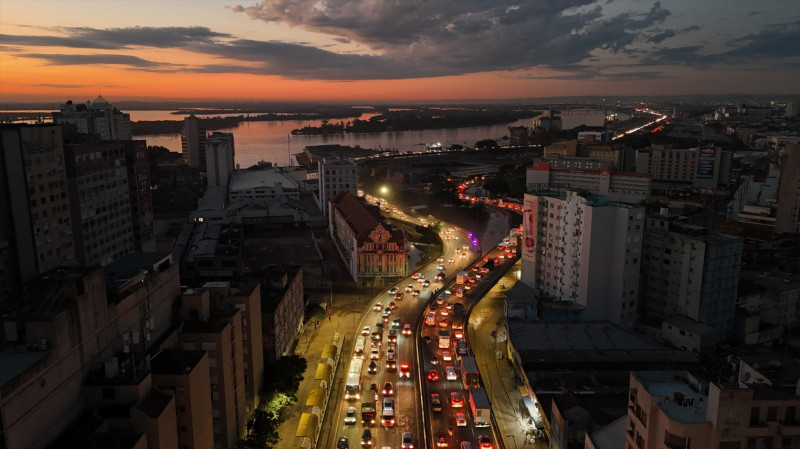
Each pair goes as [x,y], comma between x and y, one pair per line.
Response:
[621,187]
[335,176]
[97,179]
[193,142]
[703,168]
[185,374]
[246,297]
[282,307]
[220,154]
[35,218]
[584,250]
[788,213]
[219,332]
[77,339]
[688,270]
[374,253]
[675,409]
[95,117]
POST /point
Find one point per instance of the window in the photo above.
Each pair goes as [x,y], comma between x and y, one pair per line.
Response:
[772,415]
[754,419]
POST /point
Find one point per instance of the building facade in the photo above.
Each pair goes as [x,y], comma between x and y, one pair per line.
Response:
[282,306]
[335,176]
[99,201]
[689,271]
[373,253]
[584,250]
[95,117]
[219,332]
[35,219]
[219,158]
[788,214]
[621,187]
[193,142]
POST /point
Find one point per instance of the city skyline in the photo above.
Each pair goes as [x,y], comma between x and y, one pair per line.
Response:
[386,51]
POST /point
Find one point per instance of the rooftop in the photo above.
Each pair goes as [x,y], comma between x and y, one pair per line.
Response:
[131,266]
[259,179]
[676,393]
[175,361]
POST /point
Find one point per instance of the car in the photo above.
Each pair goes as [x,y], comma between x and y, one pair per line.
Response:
[388,389]
[444,311]
[456,400]
[407,441]
[406,329]
[460,293]
[441,439]
[365,331]
[443,323]
[452,260]
[448,306]
[377,307]
[372,368]
[426,284]
[462,348]
[440,276]
[463,255]
[415,293]
[436,402]
[440,267]
[466,445]
[377,336]
[386,312]
[440,259]
[395,325]
[398,296]
[410,287]
[350,416]
[434,360]
[392,305]
[440,299]
[447,292]
[461,420]
[393,290]
[450,373]
[484,442]
[434,307]
[405,370]
[433,375]
[388,403]
[416,275]
[392,336]
[342,443]
[422,278]
[458,333]
[375,353]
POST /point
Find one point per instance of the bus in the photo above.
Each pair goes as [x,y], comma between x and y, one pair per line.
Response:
[444,339]
[352,388]
[359,349]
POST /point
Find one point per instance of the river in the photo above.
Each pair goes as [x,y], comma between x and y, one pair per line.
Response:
[273,142]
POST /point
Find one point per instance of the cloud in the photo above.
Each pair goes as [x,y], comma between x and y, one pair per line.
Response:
[658,38]
[117,38]
[60,59]
[775,41]
[61,86]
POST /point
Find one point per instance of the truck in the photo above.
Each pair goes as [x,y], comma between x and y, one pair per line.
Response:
[461,277]
[352,387]
[458,316]
[368,413]
[480,407]
[444,339]
[469,372]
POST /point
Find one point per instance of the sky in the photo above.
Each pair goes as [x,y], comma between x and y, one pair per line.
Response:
[394,50]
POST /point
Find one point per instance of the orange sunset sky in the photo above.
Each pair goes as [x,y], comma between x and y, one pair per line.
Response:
[364,50]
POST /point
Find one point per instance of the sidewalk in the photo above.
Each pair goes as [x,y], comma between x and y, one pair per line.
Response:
[486,335]
[310,345]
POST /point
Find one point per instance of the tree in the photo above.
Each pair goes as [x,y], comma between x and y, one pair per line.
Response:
[486,143]
[285,375]
[262,430]
[313,312]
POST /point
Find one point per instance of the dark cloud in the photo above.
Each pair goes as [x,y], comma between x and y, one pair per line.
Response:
[776,41]
[60,59]
[658,38]
[117,38]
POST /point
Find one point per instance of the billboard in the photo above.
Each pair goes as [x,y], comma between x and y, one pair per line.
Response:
[706,162]
[530,227]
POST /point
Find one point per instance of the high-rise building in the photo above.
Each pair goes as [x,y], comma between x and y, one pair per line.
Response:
[584,250]
[336,175]
[219,158]
[788,214]
[99,201]
[687,270]
[193,142]
[617,186]
[218,331]
[186,375]
[95,117]
[138,166]
[35,220]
